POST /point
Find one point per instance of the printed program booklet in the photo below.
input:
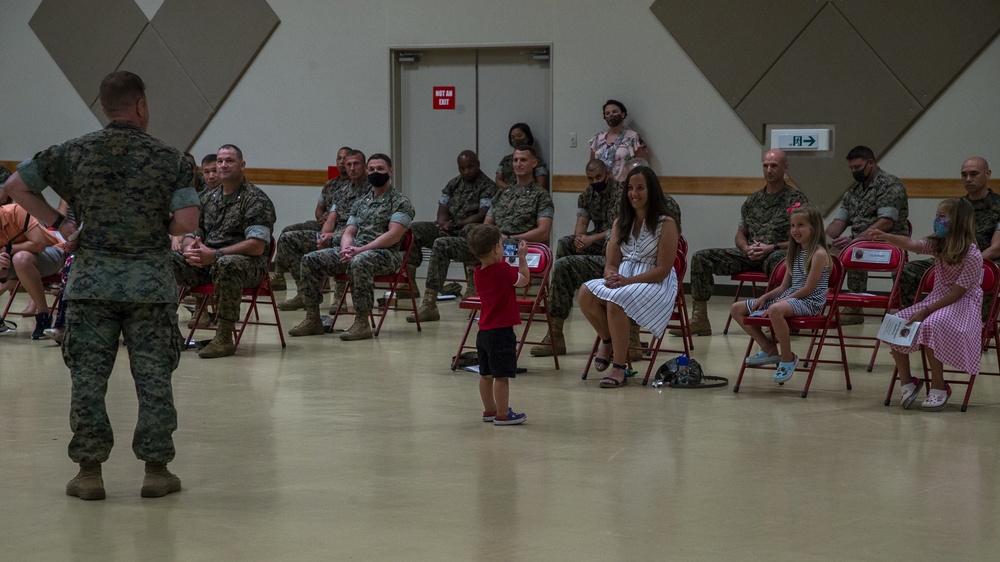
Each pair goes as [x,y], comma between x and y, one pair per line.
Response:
[895,330]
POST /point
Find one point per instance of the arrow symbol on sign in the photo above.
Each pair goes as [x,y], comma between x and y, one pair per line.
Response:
[810,140]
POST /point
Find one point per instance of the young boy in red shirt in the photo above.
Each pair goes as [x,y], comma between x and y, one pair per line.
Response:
[496,344]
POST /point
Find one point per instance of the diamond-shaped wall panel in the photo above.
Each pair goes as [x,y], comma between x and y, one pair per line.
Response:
[734,42]
[929,42]
[87,39]
[215,51]
[178,111]
[189,62]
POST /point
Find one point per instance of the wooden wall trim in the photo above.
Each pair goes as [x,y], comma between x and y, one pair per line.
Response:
[918,188]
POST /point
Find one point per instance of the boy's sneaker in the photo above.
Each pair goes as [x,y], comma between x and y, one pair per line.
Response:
[510,419]
[489,416]
[43,321]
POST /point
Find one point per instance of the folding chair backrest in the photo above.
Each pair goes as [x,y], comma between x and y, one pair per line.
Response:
[868,255]
[835,281]
[989,283]
[682,245]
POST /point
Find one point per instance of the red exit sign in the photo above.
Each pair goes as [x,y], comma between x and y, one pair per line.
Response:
[444,97]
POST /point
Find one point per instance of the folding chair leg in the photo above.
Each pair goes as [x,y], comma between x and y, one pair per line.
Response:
[590,361]
[892,386]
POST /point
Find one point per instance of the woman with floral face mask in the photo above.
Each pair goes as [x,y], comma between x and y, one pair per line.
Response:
[951,329]
[617,144]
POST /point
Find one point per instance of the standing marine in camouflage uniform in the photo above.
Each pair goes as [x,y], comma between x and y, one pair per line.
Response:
[522,212]
[230,247]
[877,201]
[295,244]
[761,238]
[986,205]
[312,226]
[370,246]
[130,191]
[572,269]
[464,201]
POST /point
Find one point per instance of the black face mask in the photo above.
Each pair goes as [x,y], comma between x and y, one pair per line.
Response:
[859,175]
[378,179]
[600,186]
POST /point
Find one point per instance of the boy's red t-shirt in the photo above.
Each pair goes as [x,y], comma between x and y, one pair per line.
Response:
[495,287]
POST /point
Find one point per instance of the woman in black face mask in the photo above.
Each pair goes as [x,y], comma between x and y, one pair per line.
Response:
[617,144]
[520,133]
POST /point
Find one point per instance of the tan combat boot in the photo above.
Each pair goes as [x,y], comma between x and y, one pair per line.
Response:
[293,303]
[339,288]
[222,344]
[470,283]
[88,484]
[360,330]
[700,326]
[311,326]
[851,316]
[428,311]
[159,481]
[545,350]
[403,290]
[635,350]
[278,280]
[204,322]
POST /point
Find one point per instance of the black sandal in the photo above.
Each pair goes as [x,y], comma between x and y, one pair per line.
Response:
[608,382]
[602,364]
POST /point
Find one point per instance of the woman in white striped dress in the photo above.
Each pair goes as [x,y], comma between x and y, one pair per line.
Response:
[639,279]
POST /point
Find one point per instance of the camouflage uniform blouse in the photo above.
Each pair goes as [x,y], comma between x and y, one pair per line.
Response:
[764,217]
[342,200]
[464,199]
[372,215]
[516,210]
[600,208]
[124,252]
[987,218]
[506,169]
[228,219]
[884,198]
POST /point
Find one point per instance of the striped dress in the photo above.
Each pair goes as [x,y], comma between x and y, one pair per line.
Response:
[812,305]
[649,304]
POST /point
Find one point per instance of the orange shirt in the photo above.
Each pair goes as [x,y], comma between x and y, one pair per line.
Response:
[12,221]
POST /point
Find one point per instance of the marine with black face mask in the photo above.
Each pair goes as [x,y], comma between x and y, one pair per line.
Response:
[877,201]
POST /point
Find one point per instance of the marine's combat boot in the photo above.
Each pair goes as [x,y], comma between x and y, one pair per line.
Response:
[403,290]
[470,283]
[278,282]
[851,316]
[222,344]
[545,350]
[293,303]
[339,287]
[635,349]
[159,481]
[88,484]
[700,326]
[428,311]
[311,326]
[360,330]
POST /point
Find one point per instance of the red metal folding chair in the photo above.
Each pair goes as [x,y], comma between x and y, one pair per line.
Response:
[990,284]
[532,307]
[818,328]
[389,282]
[51,284]
[872,257]
[752,277]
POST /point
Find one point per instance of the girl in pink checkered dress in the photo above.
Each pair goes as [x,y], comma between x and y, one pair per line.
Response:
[951,326]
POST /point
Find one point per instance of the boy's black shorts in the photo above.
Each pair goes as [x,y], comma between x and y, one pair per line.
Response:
[497,349]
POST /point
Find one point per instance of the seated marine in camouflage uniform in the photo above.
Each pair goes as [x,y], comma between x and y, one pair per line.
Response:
[311,226]
[230,247]
[581,257]
[877,201]
[464,201]
[297,243]
[986,205]
[761,238]
[370,246]
[522,211]
[4,174]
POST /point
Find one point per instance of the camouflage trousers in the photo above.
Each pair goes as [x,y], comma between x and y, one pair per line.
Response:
[230,275]
[361,271]
[312,226]
[424,235]
[565,247]
[857,281]
[568,273]
[446,250]
[90,348]
[909,281]
[295,244]
[724,261]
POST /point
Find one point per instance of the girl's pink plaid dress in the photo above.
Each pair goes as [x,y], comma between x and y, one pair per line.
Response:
[955,331]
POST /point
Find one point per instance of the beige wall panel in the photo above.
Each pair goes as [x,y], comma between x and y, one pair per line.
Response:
[178,111]
[87,39]
[929,42]
[829,75]
[734,42]
[215,49]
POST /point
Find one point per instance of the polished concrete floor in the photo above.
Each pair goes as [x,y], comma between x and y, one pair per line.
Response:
[374,450]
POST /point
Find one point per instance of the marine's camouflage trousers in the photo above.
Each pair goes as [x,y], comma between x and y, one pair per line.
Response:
[446,250]
[857,281]
[909,281]
[230,275]
[312,226]
[724,261]
[89,350]
[295,244]
[568,273]
[565,247]
[424,235]
[361,271]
